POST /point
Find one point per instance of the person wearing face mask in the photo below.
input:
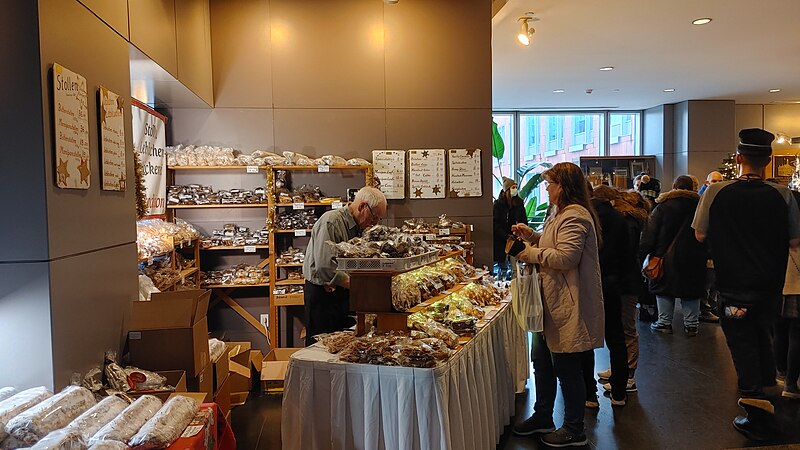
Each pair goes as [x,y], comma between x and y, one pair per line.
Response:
[327,291]
[508,210]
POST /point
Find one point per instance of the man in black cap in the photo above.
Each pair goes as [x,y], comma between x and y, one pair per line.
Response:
[750,224]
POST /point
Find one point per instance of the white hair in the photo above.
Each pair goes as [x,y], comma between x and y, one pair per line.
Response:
[371,196]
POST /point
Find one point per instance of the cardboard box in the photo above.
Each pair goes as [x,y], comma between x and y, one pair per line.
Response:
[273,369]
[204,382]
[221,370]
[175,378]
[223,396]
[200,397]
[171,332]
[245,367]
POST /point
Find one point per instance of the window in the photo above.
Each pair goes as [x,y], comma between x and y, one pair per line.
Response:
[624,134]
[555,134]
[582,128]
[503,167]
[531,139]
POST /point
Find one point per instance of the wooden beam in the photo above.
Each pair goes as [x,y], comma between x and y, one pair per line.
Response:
[242,312]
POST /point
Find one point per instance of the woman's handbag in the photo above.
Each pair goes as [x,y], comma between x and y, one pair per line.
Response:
[653,266]
[526,298]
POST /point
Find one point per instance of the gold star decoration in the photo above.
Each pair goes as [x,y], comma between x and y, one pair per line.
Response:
[83,169]
[418,192]
[62,172]
[436,189]
[471,152]
[424,153]
[453,193]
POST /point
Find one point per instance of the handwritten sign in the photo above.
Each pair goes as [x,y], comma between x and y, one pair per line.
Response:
[465,172]
[389,167]
[112,140]
[426,173]
[71,129]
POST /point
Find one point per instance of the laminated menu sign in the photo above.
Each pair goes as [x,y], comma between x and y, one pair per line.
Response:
[71,114]
[465,172]
[426,173]
[389,167]
[112,140]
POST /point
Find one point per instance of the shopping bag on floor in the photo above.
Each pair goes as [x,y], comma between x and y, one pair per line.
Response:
[526,298]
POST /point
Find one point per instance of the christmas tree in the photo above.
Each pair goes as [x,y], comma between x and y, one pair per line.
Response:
[794,183]
[729,169]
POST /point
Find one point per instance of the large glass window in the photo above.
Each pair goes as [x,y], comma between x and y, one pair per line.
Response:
[503,167]
[624,134]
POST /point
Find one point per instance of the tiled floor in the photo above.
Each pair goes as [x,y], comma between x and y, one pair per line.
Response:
[686,400]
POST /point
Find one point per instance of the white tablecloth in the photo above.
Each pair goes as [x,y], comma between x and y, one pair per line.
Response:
[462,404]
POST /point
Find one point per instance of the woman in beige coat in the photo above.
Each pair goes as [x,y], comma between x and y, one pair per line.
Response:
[567,253]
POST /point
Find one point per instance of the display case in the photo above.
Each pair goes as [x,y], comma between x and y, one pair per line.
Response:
[617,171]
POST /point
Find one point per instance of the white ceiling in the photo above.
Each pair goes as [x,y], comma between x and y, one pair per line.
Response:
[748,48]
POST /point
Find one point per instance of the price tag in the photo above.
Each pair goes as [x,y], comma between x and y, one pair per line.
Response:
[430,237]
[298,205]
[299,233]
[471,228]
[249,248]
[444,231]
[252,169]
[438,286]
[323,168]
[336,205]
[279,292]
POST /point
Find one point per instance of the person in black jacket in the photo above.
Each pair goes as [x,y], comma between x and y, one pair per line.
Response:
[508,210]
[669,235]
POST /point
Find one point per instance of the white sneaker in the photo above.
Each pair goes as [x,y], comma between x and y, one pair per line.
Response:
[630,387]
[606,374]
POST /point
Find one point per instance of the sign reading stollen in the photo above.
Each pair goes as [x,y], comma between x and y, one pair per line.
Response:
[426,169]
[465,172]
[71,108]
[112,140]
[389,167]
[149,141]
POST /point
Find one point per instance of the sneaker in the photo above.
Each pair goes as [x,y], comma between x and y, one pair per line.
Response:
[660,327]
[592,403]
[606,374]
[621,402]
[780,378]
[690,331]
[564,438]
[709,317]
[792,393]
[629,387]
[534,425]
[758,422]
[749,429]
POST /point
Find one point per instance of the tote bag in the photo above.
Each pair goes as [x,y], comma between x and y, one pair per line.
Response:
[526,298]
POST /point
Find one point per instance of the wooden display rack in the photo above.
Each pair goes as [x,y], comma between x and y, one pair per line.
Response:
[192,273]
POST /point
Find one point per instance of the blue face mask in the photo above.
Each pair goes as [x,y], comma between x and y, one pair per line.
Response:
[514,192]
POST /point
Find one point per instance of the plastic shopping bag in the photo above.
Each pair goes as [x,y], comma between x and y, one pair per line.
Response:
[526,298]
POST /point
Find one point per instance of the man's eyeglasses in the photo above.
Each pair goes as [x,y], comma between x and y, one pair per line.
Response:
[375,218]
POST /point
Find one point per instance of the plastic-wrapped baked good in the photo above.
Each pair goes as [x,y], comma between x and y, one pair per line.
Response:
[437,311]
[129,421]
[348,250]
[460,322]
[335,342]
[18,403]
[11,443]
[331,160]
[7,392]
[357,162]
[63,439]
[88,423]
[405,292]
[434,329]
[51,414]
[298,159]
[166,426]
[459,301]
[109,445]
[216,348]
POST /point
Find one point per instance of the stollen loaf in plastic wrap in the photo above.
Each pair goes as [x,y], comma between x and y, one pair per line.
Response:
[63,439]
[19,403]
[109,445]
[12,443]
[50,415]
[7,392]
[216,348]
[90,422]
[128,422]
[167,425]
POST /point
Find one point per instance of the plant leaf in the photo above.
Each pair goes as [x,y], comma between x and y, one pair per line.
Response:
[530,185]
[530,207]
[522,171]
[498,147]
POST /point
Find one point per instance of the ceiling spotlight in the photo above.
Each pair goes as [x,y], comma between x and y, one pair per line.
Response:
[525,32]
[782,138]
[558,91]
[701,21]
[606,68]
[772,91]
[669,90]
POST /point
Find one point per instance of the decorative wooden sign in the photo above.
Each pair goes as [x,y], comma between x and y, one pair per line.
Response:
[71,108]
[112,140]
[465,172]
[426,173]
[389,167]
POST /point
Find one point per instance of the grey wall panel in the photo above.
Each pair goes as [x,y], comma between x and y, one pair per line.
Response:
[243,128]
[316,132]
[23,180]
[701,163]
[748,116]
[681,128]
[112,12]
[25,352]
[152,30]
[79,47]
[782,119]
[711,126]
[193,36]
[91,296]
[240,47]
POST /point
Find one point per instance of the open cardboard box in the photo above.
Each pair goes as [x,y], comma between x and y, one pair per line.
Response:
[171,332]
[222,397]
[244,366]
[221,370]
[273,368]
[175,378]
[204,382]
[200,397]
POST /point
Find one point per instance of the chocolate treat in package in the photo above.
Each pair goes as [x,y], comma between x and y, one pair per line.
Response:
[19,403]
[88,423]
[129,421]
[7,392]
[63,439]
[422,323]
[51,414]
[166,426]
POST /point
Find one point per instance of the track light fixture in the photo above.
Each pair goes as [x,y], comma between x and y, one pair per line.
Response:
[782,138]
[525,32]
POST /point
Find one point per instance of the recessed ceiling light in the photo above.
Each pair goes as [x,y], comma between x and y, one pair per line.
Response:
[669,90]
[772,91]
[558,91]
[606,68]
[615,90]
[701,21]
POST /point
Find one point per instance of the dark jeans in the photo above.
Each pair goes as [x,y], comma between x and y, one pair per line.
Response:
[787,349]
[615,339]
[709,303]
[566,367]
[749,339]
[325,312]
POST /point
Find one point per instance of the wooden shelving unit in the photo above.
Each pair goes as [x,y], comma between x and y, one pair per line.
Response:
[192,273]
